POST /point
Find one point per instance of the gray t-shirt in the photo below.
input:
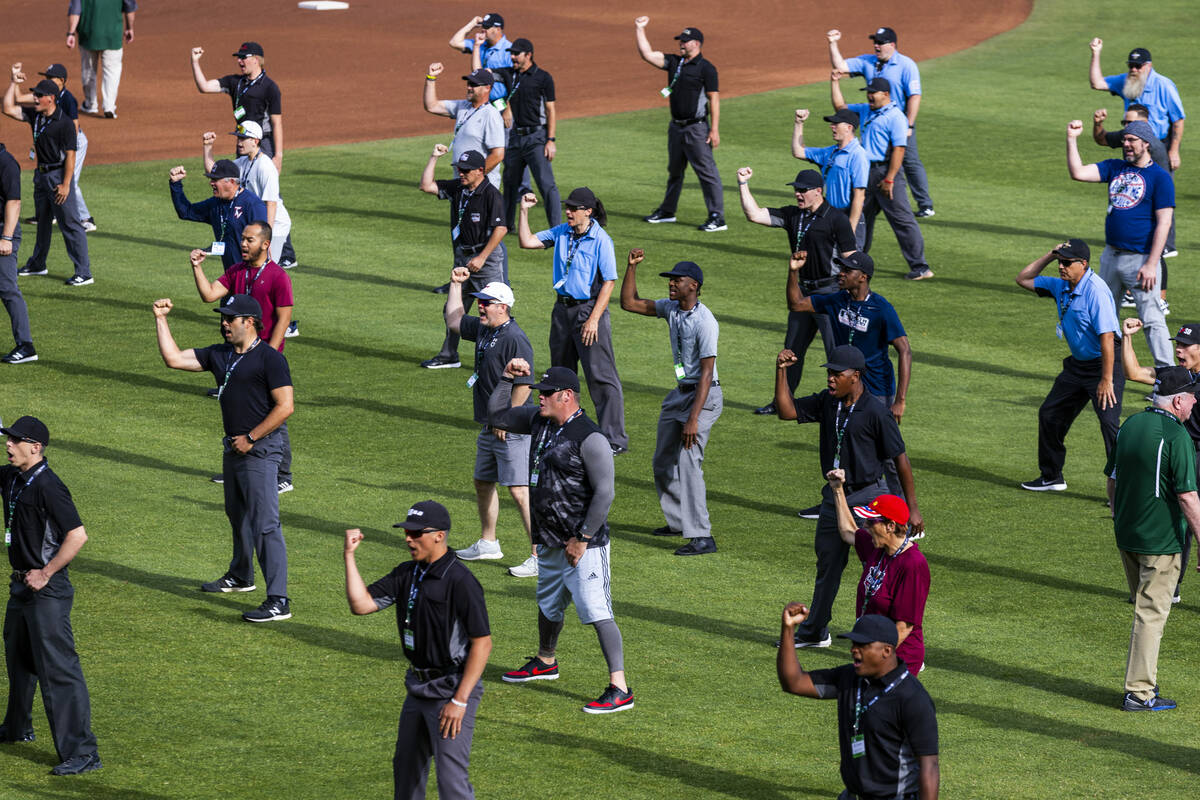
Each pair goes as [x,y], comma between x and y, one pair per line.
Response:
[693,336]
[480,129]
[494,348]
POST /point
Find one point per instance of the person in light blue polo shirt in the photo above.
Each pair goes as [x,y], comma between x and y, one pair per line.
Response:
[1087,320]
[844,166]
[492,46]
[585,273]
[902,74]
[884,133]
[1141,84]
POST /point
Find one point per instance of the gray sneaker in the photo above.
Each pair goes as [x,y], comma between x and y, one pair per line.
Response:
[526,569]
[481,550]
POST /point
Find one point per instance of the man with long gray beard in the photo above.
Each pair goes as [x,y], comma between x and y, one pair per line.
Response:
[1141,84]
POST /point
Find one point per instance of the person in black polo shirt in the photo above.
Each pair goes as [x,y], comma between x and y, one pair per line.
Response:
[53,198]
[42,533]
[814,227]
[858,434]
[476,230]
[256,399]
[443,623]
[10,243]
[531,119]
[887,726]
[693,93]
[255,97]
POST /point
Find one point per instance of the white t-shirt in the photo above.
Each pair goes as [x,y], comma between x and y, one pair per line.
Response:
[261,177]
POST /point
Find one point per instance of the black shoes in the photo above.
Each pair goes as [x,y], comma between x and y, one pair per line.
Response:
[701,545]
[76,765]
[21,354]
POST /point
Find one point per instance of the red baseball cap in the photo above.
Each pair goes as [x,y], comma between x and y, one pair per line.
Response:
[887,506]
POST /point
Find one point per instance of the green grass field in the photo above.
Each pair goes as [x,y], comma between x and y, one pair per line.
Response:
[1026,626]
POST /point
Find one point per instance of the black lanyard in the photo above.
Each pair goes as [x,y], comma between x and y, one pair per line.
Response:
[678,70]
[229,370]
[463,199]
[839,428]
[547,440]
[413,589]
[14,495]
[482,347]
[860,709]
[801,232]
[573,247]
[458,126]
[1071,295]
[250,281]
[38,130]
[243,87]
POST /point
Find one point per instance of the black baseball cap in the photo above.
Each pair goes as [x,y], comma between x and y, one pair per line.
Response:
[249,49]
[843,115]
[472,159]
[582,197]
[46,87]
[239,305]
[426,515]
[883,36]
[808,179]
[847,356]
[857,260]
[521,46]
[223,168]
[872,628]
[1074,250]
[55,71]
[558,378]
[685,269]
[492,20]
[1138,56]
[878,85]
[480,77]
[1173,380]
[29,428]
[1188,334]
[691,35]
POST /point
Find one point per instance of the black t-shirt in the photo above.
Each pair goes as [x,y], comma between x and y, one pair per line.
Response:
[42,514]
[897,728]
[823,233]
[68,103]
[494,348]
[247,380]
[869,434]
[448,610]
[53,136]
[528,92]
[10,180]
[688,85]
[481,210]
[259,98]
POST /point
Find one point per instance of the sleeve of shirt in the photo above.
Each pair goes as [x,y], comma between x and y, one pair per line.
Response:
[1115,84]
[69,105]
[502,415]
[128,6]
[10,180]
[910,78]
[1182,464]
[776,217]
[281,290]
[606,259]
[1174,104]
[74,7]
[710,77]
[920,723]
[825,681]
[1108,167]
[911,591]
[819,155]
[1113,138]
[858,64]
[228,83]
[862,109]
[468,45]
[547,237]
[706,338]
[270,182]
[670,61]
[598,463]
[548,88]
[1164,190]
[495,209]
[67,137]
[468,605]
[60,507]
[444,188]
[493,132]
[860,170]
[226,280]
[278,374]
[898,129]
[195,212]
[204,355]
[1104,311]
[808,409]
[843,234]
[1047,286]
[255,208]
[824,303]
[386,590]
[468,328]
[662,308]
[893,329]
[890,441]
[274,99]
[864,545]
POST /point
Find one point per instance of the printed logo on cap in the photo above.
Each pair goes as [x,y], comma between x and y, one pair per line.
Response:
[416,512]
[229,299]
[1184,331]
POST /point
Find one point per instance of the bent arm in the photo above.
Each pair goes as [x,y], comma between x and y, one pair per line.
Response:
[172,356]
[648,54]
[750,207]
[1032,270]
[1129,361]
[67,551]
[503,414]
[630,300]
[845,520]
[1088,173]
[357,596]
[525,236]
[209,292]
[1095,74]
[204,85]
[283,398]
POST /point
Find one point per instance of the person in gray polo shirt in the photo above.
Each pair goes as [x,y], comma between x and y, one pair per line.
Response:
[477,123]
[690,409]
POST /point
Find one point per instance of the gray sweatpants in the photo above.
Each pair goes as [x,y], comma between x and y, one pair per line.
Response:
[418,739]
[899,215]
[687,144]
[678,471]
[10,293]
[1119,270]
[252,506]
[599,364]
[45,209]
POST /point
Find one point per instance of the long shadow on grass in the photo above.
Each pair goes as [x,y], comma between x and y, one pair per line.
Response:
[717,496]
[224,609]
[90,790]
[416,489]
[627,756]
[972,663]
[981,367]
[124,237]
[955,470]
[959,566]
[991,227]
[126,457]
[354,178]
[139,381]
[363,277]
[292,519]
[1044,728]
[406,413]
[330,210]
[359,351]
[771,326]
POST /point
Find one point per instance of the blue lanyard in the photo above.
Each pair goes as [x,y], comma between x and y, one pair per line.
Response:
[573,247]
[14,496]
[874,577]
[38,130]
[251,281]
[860,709]
[483,347]
[412,593]
[229,370]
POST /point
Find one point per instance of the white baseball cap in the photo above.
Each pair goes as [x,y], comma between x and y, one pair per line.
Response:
[498,291]
[251,130]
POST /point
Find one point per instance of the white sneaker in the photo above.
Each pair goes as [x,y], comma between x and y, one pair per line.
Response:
[482,549]
[526,569]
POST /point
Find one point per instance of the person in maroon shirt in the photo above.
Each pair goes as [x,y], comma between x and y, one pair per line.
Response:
[895,575]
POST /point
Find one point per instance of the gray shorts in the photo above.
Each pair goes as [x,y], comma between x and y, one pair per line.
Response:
[588,583]
[505,463]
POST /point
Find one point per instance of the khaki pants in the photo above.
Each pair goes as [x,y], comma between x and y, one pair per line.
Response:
[1151,582]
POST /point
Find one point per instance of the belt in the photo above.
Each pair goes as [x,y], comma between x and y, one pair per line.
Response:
[691,387]
[434,672]
[469,249]
[820,283]
[50,167]
[527,131]
[683,123]
[879,163]
[568,301]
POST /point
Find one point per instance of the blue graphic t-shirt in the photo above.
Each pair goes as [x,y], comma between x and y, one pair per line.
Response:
[1134,194]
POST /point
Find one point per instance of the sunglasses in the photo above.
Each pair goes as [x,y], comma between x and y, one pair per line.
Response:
[420,533]
[485,303]
[1066,262]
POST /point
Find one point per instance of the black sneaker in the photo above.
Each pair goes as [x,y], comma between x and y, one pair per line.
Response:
[699,546]
[665,530]
[285,485]
[800,644]
[918,274]
[214,392]
[618,449]
[227,583]
[612,700]
[1043,485]
[274,608]
[443,289]
[77,765]
[715,223]
[28,270]
[769,408]
[293,330]
[441,362]
[924,212]
[287,263]
[217,479]
[812,512]
[23,737]
[659,216]
[21,354]
[534,670]
[110,115]
[79,280]
[1156,703]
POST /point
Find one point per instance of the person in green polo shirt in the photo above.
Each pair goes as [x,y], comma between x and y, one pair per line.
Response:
[1152,488]
[101,28]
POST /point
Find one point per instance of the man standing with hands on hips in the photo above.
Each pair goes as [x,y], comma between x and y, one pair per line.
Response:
[447,638]
[10,243]
[694,95]
[690,409]
[43,534]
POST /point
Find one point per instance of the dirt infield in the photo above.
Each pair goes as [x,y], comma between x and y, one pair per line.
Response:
[356,75]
